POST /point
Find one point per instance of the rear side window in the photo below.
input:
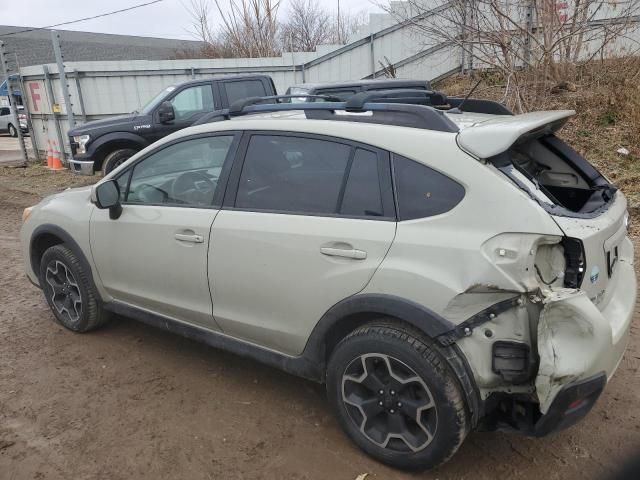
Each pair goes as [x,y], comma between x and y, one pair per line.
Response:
[243,89]
[362,194]
[423,192]
[292,174]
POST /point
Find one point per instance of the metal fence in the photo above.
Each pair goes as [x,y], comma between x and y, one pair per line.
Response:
[100,89]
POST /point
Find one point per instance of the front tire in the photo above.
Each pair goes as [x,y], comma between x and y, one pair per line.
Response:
[12,131]
[116,158]
[69,291]
[396,397]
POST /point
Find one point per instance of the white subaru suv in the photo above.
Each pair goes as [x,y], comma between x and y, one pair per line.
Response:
[441,264]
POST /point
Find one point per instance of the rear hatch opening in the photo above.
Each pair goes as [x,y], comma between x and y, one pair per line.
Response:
[555,175]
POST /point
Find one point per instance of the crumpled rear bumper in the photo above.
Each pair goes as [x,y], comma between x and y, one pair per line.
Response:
[576,340]
[570,405]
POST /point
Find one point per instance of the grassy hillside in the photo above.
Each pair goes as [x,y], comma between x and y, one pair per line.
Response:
[606,97]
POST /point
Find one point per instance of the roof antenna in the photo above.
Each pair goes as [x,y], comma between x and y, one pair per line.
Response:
[458,109]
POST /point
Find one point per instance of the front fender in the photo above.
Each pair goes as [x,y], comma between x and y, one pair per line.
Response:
[99,142]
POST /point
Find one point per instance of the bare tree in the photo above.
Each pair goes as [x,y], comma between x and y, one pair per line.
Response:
[344,24]
[537,41]
[307,26]
[250,27]
[388,68]
[213,46]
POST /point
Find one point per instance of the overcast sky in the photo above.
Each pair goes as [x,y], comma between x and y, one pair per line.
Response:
[168,19]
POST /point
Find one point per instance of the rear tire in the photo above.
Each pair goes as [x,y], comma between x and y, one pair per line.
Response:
[396,397]
[116,158]
[12,131]
[69,291]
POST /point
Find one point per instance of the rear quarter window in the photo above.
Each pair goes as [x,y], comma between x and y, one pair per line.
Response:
[423,192]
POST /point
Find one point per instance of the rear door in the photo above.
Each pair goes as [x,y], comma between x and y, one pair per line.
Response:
[305,223]
[233,90]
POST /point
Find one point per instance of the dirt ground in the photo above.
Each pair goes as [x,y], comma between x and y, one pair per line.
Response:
[132,402]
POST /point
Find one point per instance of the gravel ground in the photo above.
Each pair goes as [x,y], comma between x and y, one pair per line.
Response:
[133,402]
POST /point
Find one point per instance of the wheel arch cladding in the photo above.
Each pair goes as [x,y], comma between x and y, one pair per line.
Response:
[355,311]
[46,236]
[352,312]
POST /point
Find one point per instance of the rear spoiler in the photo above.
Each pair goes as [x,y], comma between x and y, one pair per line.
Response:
[494,136]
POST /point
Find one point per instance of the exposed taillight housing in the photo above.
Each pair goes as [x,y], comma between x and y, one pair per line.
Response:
[576,263]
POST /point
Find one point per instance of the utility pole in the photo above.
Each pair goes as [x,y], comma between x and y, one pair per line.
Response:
[529,28]
[12,100]
[55,38]
[339,33]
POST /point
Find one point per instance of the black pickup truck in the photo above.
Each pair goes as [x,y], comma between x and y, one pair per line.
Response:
[105,144]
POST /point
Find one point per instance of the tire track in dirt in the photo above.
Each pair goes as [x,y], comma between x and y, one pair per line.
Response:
[130,401]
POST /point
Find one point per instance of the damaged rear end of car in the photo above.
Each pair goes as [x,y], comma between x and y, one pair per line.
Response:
[580,289]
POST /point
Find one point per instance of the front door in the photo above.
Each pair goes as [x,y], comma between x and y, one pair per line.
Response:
[189,104]
[308,222]
[155,255]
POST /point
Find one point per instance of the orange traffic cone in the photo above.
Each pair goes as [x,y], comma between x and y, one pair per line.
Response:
[56,163]
[49,154]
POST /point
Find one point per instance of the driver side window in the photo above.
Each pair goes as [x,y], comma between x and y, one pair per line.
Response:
[183,174]
[193,100]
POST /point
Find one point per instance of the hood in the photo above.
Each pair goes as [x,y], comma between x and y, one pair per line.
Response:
[126,122]
[487,135]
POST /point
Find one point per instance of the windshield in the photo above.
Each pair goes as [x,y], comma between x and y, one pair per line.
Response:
[155,101]
[297,91]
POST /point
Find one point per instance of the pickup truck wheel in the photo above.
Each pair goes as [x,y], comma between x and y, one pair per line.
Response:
[116,158]
[69,292]
[12,131]
[396,397]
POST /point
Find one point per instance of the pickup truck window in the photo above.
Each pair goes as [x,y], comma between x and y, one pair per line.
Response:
[243,89]
[193,100]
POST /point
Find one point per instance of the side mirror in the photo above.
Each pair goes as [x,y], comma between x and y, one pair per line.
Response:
[107,195]
[166,113]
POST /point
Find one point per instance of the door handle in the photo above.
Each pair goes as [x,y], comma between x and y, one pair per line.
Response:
[345,253]
[183,237]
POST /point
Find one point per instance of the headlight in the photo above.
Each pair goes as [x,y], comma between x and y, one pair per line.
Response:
[25,213]
[82,141]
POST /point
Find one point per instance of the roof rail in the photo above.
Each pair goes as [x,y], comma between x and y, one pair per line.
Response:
[400,114]
[400,95]
[400,107]
[428,97]
[236,107]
